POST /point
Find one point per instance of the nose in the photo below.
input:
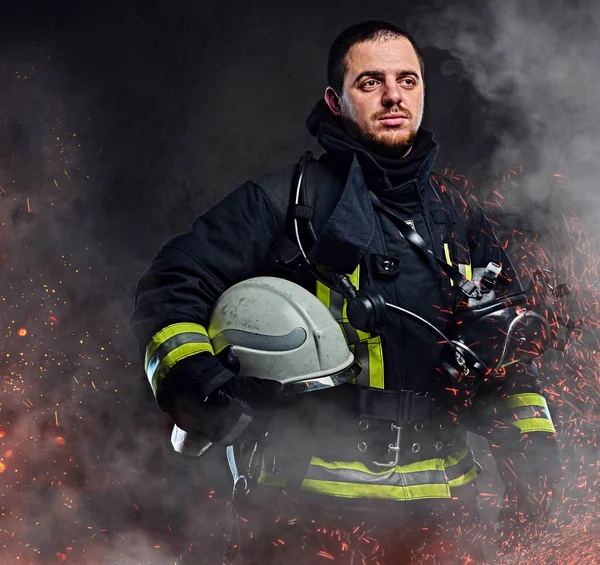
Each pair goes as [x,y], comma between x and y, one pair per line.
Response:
[392,94]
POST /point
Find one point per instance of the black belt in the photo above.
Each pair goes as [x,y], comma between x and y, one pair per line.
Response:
[400,407]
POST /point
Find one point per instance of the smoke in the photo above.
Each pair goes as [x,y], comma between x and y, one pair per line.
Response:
[84,459]
[538,62]
[116,145]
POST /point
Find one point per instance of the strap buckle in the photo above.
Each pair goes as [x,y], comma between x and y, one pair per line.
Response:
[393,448]
[470,288]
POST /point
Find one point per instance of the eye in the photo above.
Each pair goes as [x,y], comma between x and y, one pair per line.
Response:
[370,84]
[408,81]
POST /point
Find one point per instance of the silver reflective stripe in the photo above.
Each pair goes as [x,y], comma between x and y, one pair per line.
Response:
[161,356]
[173,343]
[391,477]
[525,412]
[460,464]
[232,463]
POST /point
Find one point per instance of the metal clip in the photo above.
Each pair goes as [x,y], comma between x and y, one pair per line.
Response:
[393,448]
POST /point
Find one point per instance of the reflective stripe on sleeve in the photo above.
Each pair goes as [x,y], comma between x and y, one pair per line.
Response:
[527,411]
[172,344]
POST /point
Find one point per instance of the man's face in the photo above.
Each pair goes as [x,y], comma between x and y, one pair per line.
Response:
[383,96]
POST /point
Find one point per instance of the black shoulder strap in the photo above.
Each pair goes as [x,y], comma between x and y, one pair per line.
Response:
[280,189]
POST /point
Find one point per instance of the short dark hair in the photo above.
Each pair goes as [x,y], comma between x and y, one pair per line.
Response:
[370,30]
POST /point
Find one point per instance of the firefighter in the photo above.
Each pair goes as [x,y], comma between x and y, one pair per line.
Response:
[412,271]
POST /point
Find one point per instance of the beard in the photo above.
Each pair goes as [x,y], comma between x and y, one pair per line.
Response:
[393,143]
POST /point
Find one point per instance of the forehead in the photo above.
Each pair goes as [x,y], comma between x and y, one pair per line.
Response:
[388,55]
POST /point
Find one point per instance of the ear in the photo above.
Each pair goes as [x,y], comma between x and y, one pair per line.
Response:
[333,101]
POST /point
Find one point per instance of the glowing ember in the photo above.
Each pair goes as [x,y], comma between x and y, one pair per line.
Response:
[2,467]
[22,332]
[59,440]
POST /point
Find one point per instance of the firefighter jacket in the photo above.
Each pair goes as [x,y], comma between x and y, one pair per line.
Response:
[328,443]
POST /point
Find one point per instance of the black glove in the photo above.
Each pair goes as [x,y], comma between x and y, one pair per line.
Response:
[525,514]
[258,397]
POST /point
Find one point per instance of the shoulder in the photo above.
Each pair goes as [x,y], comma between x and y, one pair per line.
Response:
[279,186]
[276,186]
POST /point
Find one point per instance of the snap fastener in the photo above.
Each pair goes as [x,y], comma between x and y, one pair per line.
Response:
[416,447]
[438,445]
[418,427]
[363,425]
[362,446]
[387,265]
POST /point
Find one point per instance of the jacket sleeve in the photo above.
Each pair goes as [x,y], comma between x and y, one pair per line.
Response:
[513,414]
[225,245]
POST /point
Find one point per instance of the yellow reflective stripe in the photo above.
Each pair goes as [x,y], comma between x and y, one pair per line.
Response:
[464,479]
[363,336]
[427,465]
[396,479]
[166,333]
[367,349]
[388,492]
[355,277]
[324,294]
[523,399]
[468,271]
[465,268]
[271,480]
[448,259]
[456,458]
[447,254]
[156,373]
[534,425]
[375,362]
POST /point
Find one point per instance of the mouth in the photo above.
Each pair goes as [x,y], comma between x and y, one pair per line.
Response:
[393,119]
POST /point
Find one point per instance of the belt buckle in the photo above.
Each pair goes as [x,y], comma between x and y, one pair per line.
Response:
[393,448]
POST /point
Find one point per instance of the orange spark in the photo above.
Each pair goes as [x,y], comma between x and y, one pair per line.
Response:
[22,332]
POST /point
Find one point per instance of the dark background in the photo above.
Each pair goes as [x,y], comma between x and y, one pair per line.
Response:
[120,122]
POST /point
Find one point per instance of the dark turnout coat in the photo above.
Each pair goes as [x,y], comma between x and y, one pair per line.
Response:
[339,439]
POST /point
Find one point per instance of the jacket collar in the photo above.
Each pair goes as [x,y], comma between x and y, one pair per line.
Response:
[348,232]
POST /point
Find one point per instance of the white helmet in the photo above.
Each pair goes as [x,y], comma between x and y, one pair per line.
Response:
[280,331]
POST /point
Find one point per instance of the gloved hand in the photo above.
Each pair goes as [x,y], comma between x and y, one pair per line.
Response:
[259,397]
[525,514]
